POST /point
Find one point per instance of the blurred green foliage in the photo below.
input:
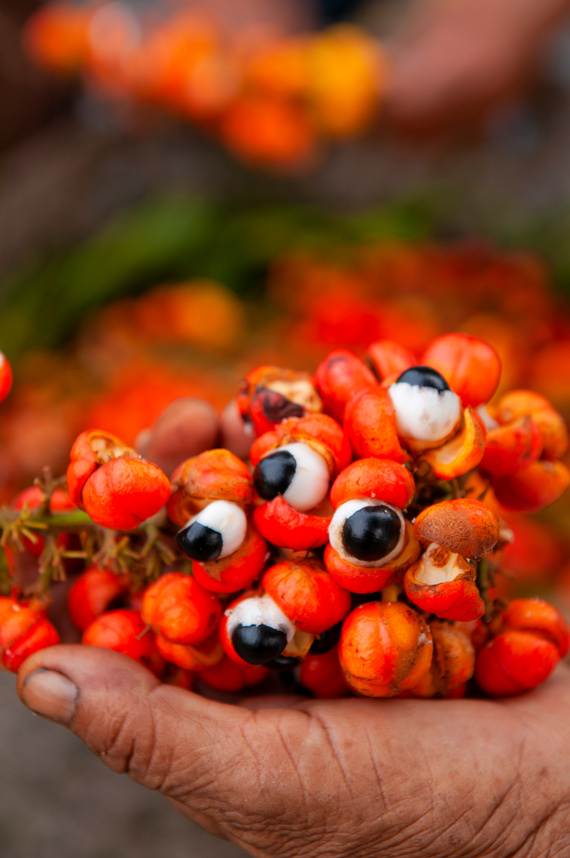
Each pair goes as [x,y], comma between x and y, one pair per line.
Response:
[172,239]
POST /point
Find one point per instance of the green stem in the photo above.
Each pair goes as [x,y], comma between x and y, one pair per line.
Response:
[76,520]
[483,582]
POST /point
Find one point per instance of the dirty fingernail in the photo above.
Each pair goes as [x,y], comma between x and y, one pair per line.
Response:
[51,695]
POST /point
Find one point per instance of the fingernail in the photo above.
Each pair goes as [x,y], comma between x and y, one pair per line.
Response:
[51,695]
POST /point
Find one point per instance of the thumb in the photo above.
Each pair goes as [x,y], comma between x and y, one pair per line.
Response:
[185,428]
[163,737]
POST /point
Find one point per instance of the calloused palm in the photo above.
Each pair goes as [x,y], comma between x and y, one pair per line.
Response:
[356,777]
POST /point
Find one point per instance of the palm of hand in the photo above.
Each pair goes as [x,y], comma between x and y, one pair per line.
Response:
[391,778]
[301,779]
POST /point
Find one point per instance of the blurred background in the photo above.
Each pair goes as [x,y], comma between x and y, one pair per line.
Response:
[188,190]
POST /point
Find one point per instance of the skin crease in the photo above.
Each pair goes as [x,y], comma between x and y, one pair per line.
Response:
[292,778]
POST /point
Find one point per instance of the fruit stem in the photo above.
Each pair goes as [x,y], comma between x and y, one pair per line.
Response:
[66,521]
[483,582]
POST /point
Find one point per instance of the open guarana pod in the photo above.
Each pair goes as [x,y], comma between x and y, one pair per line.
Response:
[319,431]
[270,394]
[464,525]
[293,467]
[443,583]
[215,532]
[213,475]
[236,571]
[427,411]
[255,630]
[258,629]
[296,472]
[372,577]
[367,532]
[370,544]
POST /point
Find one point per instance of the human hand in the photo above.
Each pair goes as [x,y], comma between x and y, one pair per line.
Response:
[456,62]
[291,777]
[187,427]
[312,778]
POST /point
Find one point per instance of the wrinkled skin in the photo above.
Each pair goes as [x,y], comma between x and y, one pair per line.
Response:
[292,778]
[331,778]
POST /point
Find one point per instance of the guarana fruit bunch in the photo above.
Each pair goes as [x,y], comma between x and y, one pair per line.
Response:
[356,552]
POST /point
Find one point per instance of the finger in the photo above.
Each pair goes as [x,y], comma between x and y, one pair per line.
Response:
[185,428]
[164,738]
[460,60]
[237,436]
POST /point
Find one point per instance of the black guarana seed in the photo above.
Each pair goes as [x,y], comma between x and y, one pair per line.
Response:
[199,542]
[325,642]
[258,644]
[273,475]
[275,406]
[371,533]
[282,663]
[424,376]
